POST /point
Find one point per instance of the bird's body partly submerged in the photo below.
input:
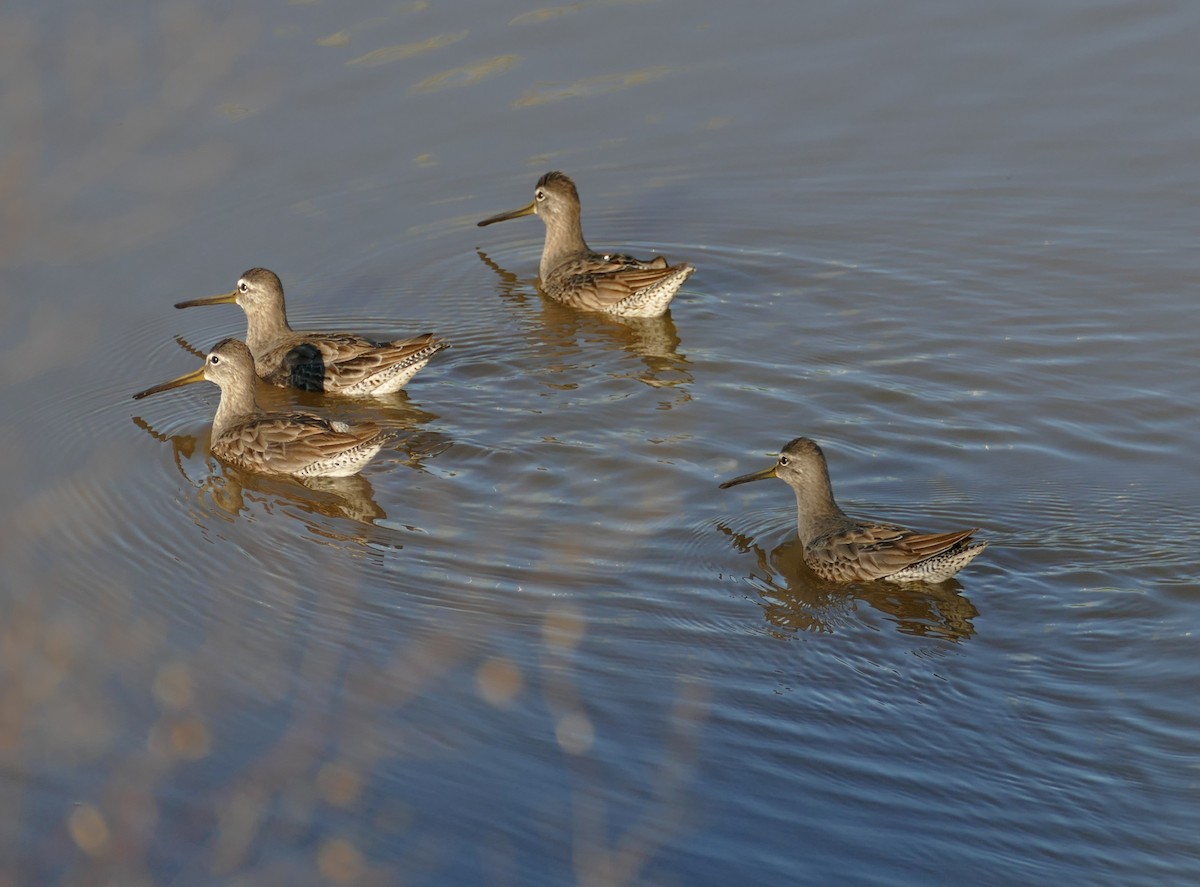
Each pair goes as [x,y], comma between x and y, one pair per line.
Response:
[334,362]
[246,437]
[842,549]
[576,275]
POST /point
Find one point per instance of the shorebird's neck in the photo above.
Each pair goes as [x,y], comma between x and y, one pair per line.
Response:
[264,329]
[237,404]
[564,240]
[817,512]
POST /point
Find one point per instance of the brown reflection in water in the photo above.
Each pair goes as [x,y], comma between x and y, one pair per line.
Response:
[466,75]
[286,788]
[353,500]
[654,340]
[511,287]
[794,599]
[110,702]
[388,54]
[346,35]
[183,446]
[281,795]
[190,348]
[349,498]
[549,13]
[545,93]
[251,744]
[599,858]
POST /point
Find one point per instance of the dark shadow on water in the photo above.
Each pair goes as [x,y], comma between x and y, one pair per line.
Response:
[794,599]
[654,340]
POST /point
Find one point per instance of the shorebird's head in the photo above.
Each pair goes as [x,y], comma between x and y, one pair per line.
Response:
[798,464]
[229,363]
[258,291]
[554,198]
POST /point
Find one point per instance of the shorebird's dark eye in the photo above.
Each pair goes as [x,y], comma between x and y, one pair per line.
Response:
[243,286]
[783,460]
[540,195]
[213,359]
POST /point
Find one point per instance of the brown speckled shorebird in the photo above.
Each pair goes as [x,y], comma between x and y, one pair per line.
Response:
[299,444]
[842,549]
[334,363]
[575,275]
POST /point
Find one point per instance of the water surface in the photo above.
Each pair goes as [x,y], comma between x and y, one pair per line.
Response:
[533,643]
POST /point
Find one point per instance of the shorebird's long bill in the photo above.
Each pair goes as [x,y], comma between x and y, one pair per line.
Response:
[746,478]
[223,299]
[504,217]
[186,379]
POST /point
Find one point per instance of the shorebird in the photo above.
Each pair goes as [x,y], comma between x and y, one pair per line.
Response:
[843,549]
[576,275]
[245,436]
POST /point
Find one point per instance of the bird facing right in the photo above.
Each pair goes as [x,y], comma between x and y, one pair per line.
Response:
[842,549]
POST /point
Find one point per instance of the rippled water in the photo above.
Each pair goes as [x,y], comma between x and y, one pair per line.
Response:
[533,643]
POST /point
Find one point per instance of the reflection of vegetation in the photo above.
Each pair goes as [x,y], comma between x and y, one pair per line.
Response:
[216,712]
[271,726]
[537,16]
[544,94]
[126,178]
[597,858]
[370,25]
[549,13]
[467,75]
[794,599]
[407,50]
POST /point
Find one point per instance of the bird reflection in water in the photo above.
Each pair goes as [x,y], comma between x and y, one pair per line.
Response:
[795,599]
[653,340]
[345,498]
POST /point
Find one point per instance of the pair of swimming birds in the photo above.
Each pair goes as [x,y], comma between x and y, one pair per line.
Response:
[836,547]
[295,443]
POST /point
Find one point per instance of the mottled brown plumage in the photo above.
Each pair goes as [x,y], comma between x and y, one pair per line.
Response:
[575,275]
[335,363]
[299,444]
[842,549]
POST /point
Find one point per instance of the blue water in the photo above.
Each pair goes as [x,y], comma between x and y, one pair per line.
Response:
[534,643]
